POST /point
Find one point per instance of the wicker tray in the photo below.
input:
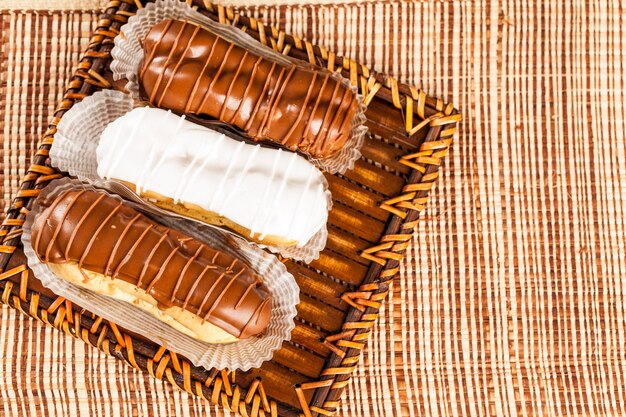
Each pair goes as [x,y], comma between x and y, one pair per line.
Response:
[376,207]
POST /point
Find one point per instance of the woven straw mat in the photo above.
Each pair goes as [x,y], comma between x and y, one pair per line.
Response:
[512,298]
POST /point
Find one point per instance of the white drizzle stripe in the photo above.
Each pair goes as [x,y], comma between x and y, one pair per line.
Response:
[110,155]
[145,169]
[212,150]
[299,205]
[183,184]
[224,179]
[164,148]
[246,168]
[115,161]
[268,186]
[281,189]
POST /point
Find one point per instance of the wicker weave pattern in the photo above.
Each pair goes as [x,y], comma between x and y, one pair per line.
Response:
[432,116]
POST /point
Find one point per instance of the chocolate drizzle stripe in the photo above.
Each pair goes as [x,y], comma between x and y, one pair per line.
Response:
[301,113]
[144,170]
[225,178]
[208,293]
[97,232]
[187,180]
[216,76]
[255,68]
[183,271]
[195,285]
[317,143]
[161,271]
[317,102]
[194,90]
[232,265]
[84,274]
[38,237]
[169,57]
[180,60]
[281,91]
[243,296]
[147,263]
[278,97]
[130,252]
[117,244]
[153,51]
[59,226]
[333,121]
[232,85]
[272,101]
[80,222]
[297,210]
[115,150]
[252,317]
[345,120]
[72,236]
[163,157]
[253,226]
[243,175]
[257,106]
[221,295]
[281,190]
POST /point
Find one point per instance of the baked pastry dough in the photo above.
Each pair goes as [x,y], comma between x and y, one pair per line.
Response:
[178,318]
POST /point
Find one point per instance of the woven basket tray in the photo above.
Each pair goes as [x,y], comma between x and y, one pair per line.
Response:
[376,207]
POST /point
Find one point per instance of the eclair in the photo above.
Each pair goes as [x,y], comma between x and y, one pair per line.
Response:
[99,243]
[269,196]
[189,69]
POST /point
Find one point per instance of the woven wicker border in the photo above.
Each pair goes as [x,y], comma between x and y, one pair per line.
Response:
[420,112]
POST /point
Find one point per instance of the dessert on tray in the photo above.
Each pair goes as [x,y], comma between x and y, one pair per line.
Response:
[97,242]
[269,196]
[190,69]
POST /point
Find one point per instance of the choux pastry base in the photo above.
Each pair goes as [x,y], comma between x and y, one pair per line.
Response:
[176,317]
[198,213]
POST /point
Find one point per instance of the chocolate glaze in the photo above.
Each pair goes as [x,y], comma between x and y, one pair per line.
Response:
[105,236]
[189,69]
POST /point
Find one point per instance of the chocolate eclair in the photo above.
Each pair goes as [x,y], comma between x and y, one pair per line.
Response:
[99,243]
[189,69]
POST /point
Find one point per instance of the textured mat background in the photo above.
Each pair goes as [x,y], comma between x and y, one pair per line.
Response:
[513,300]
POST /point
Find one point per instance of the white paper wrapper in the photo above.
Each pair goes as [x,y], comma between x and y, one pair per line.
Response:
[74,151]
[128,57]
[242,355]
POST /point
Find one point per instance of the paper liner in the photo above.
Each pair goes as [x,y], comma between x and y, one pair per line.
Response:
[243,355]
[128,57]
[74,151]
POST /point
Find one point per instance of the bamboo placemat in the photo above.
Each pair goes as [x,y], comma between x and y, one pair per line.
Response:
[511,299]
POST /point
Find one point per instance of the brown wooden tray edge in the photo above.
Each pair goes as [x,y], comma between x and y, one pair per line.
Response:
[441,120]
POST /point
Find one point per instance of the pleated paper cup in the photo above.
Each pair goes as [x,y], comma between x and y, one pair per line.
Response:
[242,355]
[128,57]
[74,152]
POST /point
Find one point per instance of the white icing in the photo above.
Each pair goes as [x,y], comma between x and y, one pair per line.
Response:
[111,162]
[264,228]
[270,192]
[271,182]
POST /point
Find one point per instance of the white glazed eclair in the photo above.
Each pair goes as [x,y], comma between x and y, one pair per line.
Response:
[267,195]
